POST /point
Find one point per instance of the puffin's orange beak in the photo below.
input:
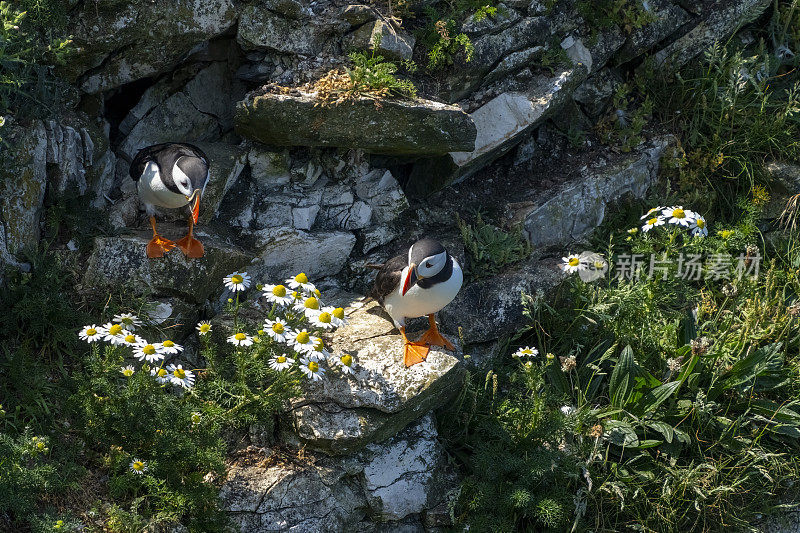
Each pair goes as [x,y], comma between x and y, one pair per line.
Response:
[411,278]
[196,207]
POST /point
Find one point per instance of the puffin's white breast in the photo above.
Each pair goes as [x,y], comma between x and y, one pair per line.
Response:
[420,302]
[153,191]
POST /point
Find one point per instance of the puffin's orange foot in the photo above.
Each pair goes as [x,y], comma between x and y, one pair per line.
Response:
[415,353]
[191,247]
[432,337]
[158,246]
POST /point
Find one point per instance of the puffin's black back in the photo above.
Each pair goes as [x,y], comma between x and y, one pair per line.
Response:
[388,278]
[164,155]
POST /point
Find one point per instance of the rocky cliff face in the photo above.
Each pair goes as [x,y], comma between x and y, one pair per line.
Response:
[327,189]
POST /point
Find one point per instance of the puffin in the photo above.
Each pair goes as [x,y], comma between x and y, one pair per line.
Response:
[418,283]
[171,175]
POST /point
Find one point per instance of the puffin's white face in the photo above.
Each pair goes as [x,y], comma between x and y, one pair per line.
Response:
[431,265]
[182,181]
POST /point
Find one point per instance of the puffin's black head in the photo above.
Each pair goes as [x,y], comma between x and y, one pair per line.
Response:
[190,174]
[426,258]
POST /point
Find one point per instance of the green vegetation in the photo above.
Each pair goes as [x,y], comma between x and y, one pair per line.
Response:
[371,74]
[629,15]
[490,249]
[666,402]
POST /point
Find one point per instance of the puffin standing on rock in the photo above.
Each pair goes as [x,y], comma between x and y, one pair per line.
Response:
[417,284]
[171,175]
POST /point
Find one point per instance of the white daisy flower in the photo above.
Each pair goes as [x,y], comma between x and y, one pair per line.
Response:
[181,376]
[197,417]
[240,339]
[527,351]
[651,213]
[138,466]
[309,306]
[322,320]
[128,321]
[281,362]
[112,333]
[146,351]
[131,339]
[653,222]
[92,333]
[339,319]
[312,369]
[161,375]
[567,410]
[277,294]
[169,347]
[572,263]
[203,328]
[698,226]
[277,329]
[678,215]
[301,281]
[346,363]
[302,340]
[127,371]
[320,353]
[238,281]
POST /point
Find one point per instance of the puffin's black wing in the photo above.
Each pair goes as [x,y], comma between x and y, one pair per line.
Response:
[388,278]
[165,155]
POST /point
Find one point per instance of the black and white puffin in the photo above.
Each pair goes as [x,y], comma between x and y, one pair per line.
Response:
[171,175]
[415,284]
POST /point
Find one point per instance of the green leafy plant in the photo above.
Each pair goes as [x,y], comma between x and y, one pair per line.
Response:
[491,249]
[371,74]
[448,44]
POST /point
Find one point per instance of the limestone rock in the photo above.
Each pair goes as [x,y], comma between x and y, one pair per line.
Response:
[122,41]
[120,261]
[227,163]
[262,29]
[717,21]
[574,210]
[269,169]
[490,308]
[501,123]
[503,18]
[394,43]
[343,413]
[383,194]
[196,112]
[668,19]
[284,252]
[398,127]
[22,186]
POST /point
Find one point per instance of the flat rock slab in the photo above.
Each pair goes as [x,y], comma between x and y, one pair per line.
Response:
[411,127]
[343,413]
[119,261]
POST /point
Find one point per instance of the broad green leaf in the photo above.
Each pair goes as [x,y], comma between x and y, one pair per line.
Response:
[657,396]
[649,443]
[621,433]
[663,428]
[622,379]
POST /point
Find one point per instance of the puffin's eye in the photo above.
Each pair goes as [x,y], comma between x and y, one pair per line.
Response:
[428,264]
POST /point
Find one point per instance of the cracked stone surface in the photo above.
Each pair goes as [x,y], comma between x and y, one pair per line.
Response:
[344,413]
[394,481]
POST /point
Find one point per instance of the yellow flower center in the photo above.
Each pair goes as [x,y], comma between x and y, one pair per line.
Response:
[599,264]
[115,329]
[279,291]
[319,346]
[149,349]
[574,261]
[161,372]
[240,336]
[278,328]
[179,373]
[40,445]
[701,223]
[325,318]
[237,279]
[91,332]
[726,233]
[281,359]
[317,293]
[679,213]
[303,337]
[339,313]
[137,465]
[196,418]
[301,278]
[130,338]
[311,303]
[296,295]
[313,366]
[168,344]
[128,372]
[205,328]
[652,221]
[347,360]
